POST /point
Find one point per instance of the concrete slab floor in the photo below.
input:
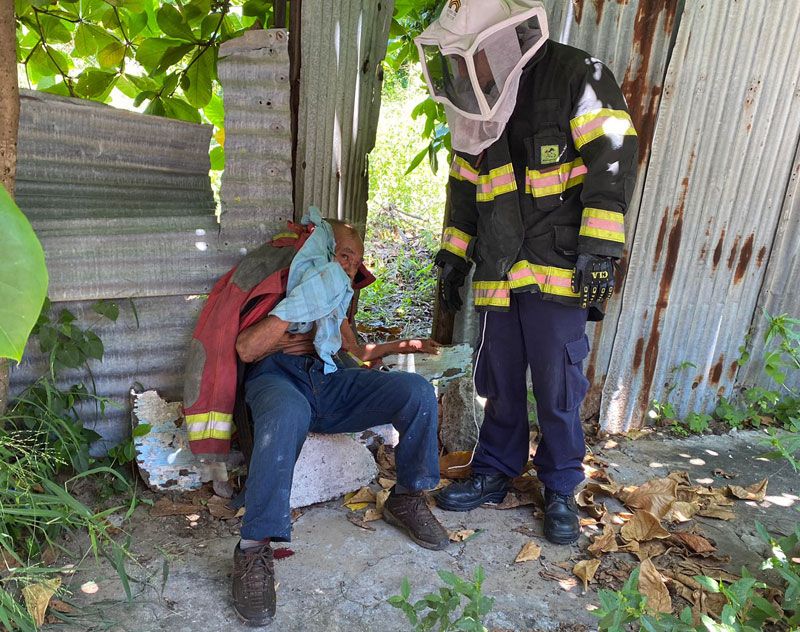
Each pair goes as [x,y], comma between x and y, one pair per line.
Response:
[341,575]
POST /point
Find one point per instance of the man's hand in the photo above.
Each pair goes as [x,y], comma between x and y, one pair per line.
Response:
[450,282]
[593,279]
[425,345]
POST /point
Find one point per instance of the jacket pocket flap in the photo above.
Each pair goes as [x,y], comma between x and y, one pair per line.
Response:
[577,350]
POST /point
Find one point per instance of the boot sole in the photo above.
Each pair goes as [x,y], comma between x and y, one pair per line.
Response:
[392,520]
[253,623]
[490,499]
[554,539]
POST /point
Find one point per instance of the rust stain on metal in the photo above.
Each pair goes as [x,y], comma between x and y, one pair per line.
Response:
[578,6]
[637,356]
[761,254]
[734,252]
[718,249]
[662,233]
[698,379]
[620,270]
[716,371]
[642,98]
[598,10]
[744,259]
[732,368]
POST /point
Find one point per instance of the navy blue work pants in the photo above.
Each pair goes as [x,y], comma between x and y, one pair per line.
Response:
[549,338]
[290,396]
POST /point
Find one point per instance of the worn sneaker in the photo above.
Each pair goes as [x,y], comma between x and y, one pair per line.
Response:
[410,513]
[561,523]
[474,492]
[254,585]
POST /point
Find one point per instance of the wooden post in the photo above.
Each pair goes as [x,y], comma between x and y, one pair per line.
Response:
[9,125]
[279,9]
[295,63]
[444,321]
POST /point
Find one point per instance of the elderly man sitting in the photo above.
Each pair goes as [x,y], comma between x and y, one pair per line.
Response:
[282,314]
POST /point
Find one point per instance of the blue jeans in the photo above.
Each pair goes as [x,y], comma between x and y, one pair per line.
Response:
[289,396]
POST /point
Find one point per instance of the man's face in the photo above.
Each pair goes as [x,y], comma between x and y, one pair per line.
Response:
[349,250]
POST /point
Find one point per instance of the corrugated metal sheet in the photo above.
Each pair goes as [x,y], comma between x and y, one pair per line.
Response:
[342,46]
[256,193]
[121,201]
[780,293]
[146,345]
[710,208]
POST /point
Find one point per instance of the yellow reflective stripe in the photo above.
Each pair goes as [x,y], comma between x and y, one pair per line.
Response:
[210,434]
[601,122]
[491,293]
[456,241]
[567,176]
[286,235]
[598,223]
[550,279]
[210,425]
[498,181]
[209,416]
[460,169]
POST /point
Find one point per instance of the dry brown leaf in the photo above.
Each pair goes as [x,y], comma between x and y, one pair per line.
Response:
[642,527]
[359,522]
[720,472]
[461,535]
[756,491]
[240,512]
[386,483]
[385,458]
[165,507]
[370,515]
[585,570]
[61,606]
[695,543]
[608,489]
[526,484]
[652,585]
[715,511]
[654,496]
[588,522]
[681,511]
[513,500]
[605,542]
[363,495]
[651,549]
[630,547]
[8,560]
[455,465]
[530,551]
[218,507]
[37,597]
[380,499]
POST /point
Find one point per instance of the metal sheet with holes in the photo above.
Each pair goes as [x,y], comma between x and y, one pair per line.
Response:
[712,205]
[343,44]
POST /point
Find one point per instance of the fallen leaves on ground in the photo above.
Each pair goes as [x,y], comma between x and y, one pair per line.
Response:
[360,499]
[167,507]
[655,496]
[642,527]
[695,543]
[359,521]
[756,491]
[585,570]
[218,507]
[605,542]
[455,465]
[530,551]
[651,584]
[37,597]
[462,535]
[514,500]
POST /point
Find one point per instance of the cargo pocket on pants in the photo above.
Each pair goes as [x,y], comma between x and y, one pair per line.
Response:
[575,383]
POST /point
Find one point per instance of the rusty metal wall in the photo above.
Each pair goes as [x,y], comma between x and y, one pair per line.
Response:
[722,159]
[342,46]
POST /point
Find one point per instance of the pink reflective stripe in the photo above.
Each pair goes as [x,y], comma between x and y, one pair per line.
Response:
[492,293]
[584,129]
[457,242]
[603,224]
[541,279]
[497,181]
[559,281]
[466,173]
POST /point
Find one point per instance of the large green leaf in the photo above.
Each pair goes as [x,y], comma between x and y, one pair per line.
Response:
[200,75]
[23,278]
[173,23]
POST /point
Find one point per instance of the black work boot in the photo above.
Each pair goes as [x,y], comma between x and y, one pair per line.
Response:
[254,585]
[561,524]
[473,492]
[410,513]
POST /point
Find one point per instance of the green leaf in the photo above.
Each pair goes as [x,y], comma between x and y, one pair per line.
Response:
[141,430]
[85,41]
[23,277]
[156,108]
[144,83]
[200,75]
[92,82]
[54,30]
[217,156]
[173,23]
[209,25]
[106,308]
[179,109]
[112,55]
[134,23]
[215,111]
[256,8]
[711,585]
[152,51]
[197,9]
[405,588]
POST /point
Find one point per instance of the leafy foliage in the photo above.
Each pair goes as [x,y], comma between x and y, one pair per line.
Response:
[441,608]
[23,277]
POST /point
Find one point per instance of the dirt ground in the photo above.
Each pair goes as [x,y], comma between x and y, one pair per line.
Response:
[340,575]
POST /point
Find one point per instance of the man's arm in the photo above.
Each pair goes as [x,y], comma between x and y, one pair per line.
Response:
[261,339]
[370,352]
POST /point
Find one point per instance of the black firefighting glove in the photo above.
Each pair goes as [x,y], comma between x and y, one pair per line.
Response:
[593,279]
[451,279]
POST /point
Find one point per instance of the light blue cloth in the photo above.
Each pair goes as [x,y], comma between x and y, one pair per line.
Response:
[318,291]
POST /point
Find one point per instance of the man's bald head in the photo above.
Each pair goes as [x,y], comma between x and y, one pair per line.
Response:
[349,246]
